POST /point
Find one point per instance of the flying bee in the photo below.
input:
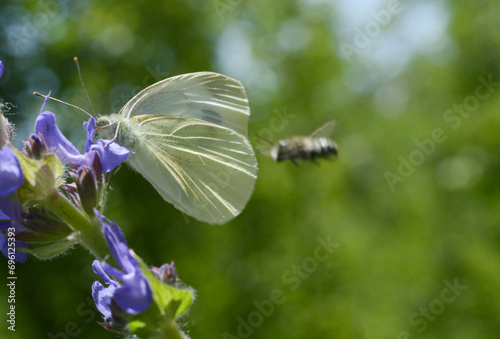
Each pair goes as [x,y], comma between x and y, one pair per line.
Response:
[303,148]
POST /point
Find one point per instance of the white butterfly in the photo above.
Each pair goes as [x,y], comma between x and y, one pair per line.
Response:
[188,136]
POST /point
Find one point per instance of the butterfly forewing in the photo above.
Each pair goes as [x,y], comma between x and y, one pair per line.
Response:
[206,170]
[207,96]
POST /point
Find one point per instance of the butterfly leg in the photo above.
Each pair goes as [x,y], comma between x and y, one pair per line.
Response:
[116,135]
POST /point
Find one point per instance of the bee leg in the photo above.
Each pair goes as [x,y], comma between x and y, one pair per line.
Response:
[295,162]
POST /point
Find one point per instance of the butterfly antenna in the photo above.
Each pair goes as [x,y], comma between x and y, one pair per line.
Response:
[62,102]
[75,59]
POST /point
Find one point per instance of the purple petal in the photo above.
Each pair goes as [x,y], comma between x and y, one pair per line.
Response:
[118,247]
[102,298]
[11,173]
[134,296]
[11,208]
[113,271]
[113,227]
[1,68]
[89,127]
[110,153]
[102,295]
[20,257]
[97,268]
[3,216]
[56,142]
[45,102]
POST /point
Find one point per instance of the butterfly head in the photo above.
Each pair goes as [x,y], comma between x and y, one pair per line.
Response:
[107,127]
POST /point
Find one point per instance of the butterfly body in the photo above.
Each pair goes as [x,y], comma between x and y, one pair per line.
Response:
[302,148]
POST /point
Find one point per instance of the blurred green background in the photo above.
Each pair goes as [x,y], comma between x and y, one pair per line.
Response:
[411,205]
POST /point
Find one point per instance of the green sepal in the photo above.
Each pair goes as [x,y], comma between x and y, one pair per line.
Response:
[41,177]
[42,227]
[52,249]
[159,320]
[33,237]
[168,299]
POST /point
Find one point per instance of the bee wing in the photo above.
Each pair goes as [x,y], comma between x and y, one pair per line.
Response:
[205,170]
[324,131]
[207,96]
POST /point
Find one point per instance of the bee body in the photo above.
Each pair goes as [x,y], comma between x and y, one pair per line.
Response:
[301,148]
[306,148]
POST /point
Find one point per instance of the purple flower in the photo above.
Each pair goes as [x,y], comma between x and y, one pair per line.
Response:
[1,68]
[129,291]
[11,216]
[11,173]
[110,153]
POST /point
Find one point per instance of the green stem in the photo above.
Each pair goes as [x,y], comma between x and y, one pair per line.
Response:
[89,231]
[170,331]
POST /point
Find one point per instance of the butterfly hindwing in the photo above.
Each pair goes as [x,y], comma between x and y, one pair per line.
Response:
[206,170]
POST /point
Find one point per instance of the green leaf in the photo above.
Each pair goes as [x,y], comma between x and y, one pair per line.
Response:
[49,250]
[170,301]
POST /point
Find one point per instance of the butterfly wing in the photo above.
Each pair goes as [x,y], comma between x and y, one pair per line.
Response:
[324,131]
[206,170]
[206,96]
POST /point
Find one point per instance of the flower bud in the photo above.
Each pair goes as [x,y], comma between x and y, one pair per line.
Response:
[166,273]
[36,147]
[97,167]
[72,193]
[42,227]
[87,188]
